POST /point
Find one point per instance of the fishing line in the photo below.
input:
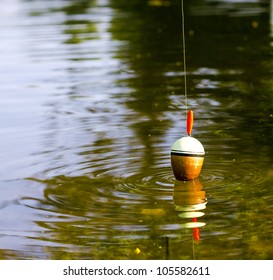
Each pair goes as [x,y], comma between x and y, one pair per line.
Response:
[184,55]
[193,248]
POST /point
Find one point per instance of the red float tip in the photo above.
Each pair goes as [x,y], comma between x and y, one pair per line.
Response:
[189,122]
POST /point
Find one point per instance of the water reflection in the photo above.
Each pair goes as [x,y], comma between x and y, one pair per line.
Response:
[98,100]
[190,201]
[145,222]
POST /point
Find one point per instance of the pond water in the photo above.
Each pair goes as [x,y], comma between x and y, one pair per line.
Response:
[92,99]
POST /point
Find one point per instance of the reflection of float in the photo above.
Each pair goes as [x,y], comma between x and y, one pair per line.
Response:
[190,199]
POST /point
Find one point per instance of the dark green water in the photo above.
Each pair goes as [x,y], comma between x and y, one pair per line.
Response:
[91,101]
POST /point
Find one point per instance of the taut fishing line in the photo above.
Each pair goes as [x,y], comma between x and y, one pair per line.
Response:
[184,55]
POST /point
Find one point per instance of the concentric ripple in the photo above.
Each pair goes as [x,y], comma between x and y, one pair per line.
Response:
[232,173]
[158,180]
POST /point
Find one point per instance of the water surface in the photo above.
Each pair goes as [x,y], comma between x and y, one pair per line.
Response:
[92,100]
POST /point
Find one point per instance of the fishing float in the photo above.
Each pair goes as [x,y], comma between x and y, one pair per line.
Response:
[187,155]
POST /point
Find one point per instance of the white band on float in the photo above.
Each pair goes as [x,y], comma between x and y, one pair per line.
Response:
[188,145]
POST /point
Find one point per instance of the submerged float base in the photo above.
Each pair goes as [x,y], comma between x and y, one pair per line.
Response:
[186,168]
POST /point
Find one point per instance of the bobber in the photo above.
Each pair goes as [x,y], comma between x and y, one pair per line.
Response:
[187,155]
